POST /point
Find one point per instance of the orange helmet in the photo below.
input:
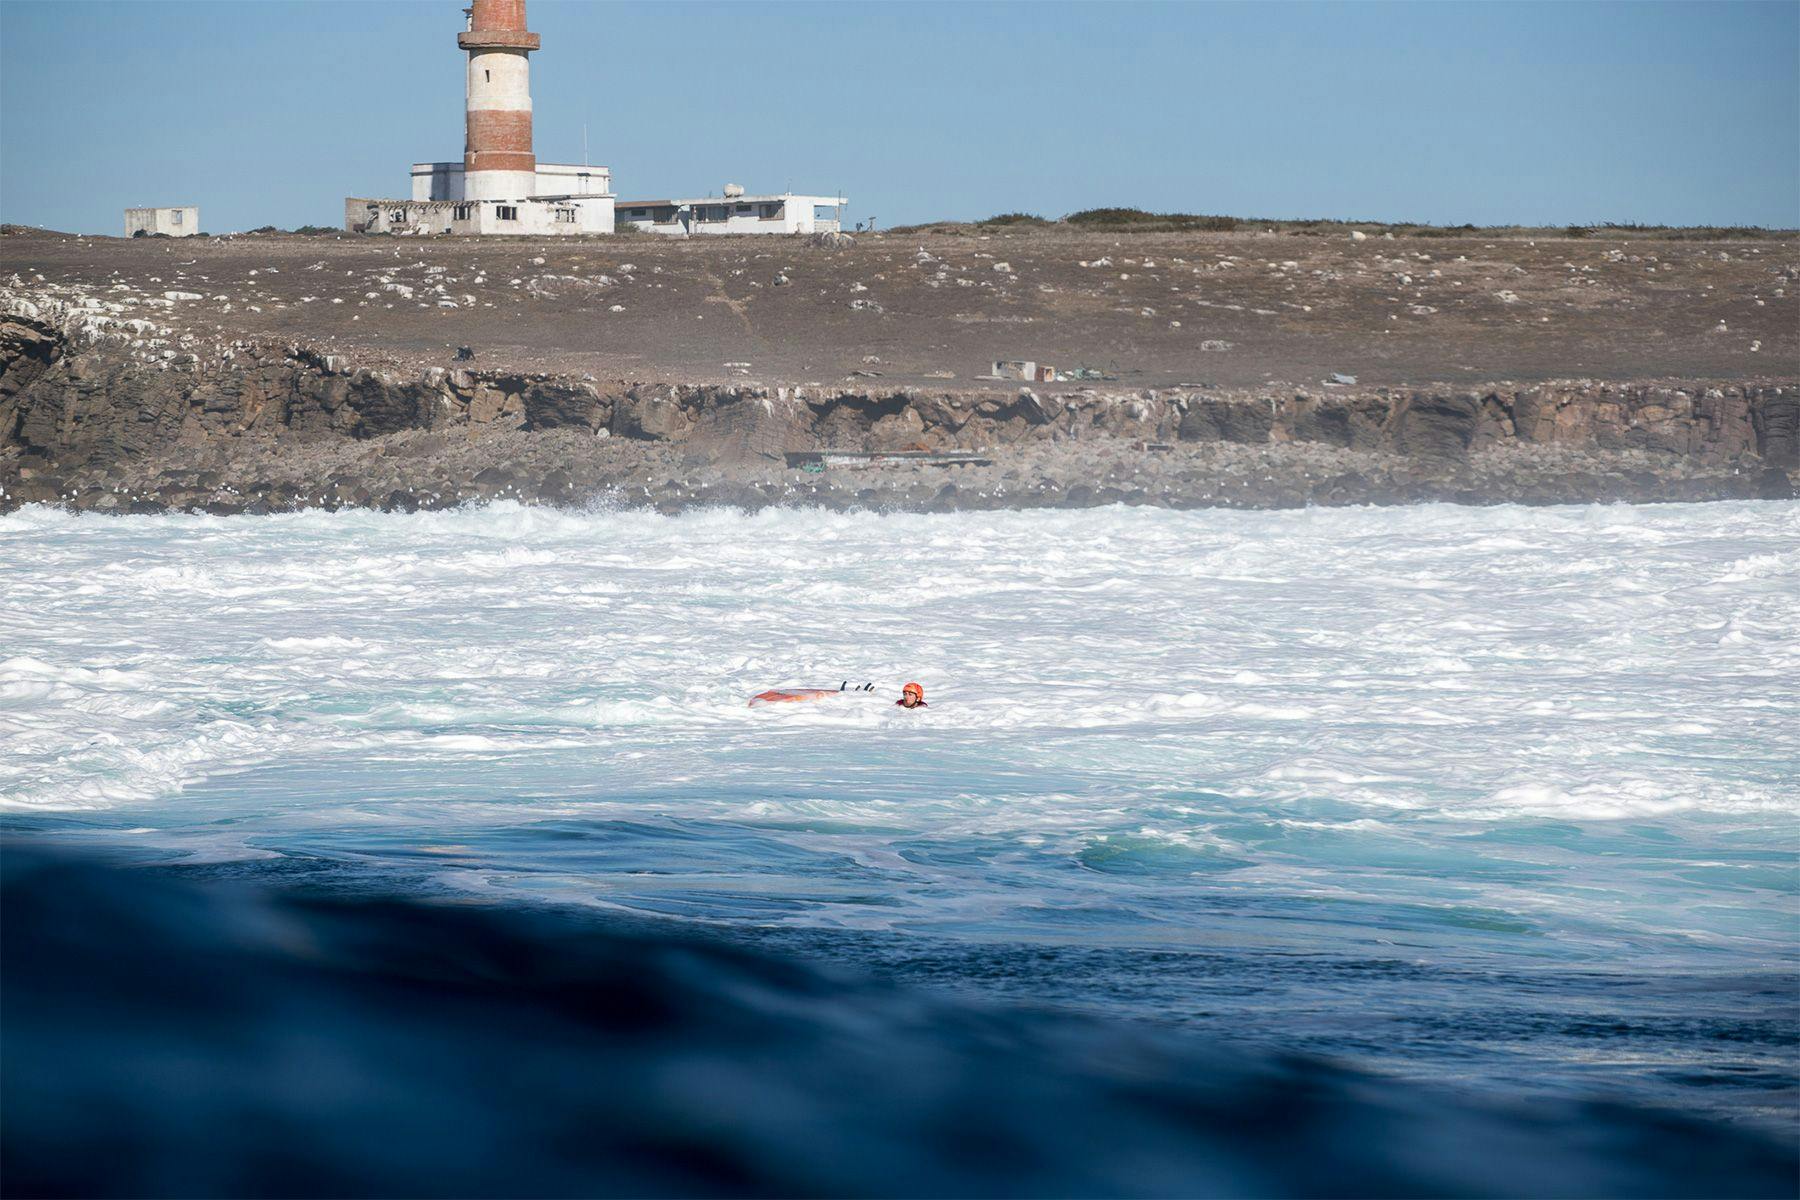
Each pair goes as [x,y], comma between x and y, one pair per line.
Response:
[913,689]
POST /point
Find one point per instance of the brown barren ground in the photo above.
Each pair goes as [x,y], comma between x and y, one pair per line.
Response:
[934,309]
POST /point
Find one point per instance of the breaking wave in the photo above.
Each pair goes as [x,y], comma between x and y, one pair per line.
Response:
[1479,777]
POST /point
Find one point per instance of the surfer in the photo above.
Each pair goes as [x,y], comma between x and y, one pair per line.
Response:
[911,696]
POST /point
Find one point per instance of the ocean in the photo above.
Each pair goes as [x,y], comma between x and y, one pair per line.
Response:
[1498,803]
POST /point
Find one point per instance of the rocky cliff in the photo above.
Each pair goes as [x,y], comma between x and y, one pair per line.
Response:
[105,414]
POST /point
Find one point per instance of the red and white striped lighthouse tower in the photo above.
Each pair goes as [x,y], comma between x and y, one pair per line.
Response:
[498,163]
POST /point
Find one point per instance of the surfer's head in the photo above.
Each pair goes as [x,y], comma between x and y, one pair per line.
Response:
[911,696]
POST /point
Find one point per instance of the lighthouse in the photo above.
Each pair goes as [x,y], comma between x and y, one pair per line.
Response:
[500,188]
[498,163]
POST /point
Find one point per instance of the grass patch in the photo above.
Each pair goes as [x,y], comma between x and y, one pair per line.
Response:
[303,231]
[1136,219]
[1012,220]
[1696,232]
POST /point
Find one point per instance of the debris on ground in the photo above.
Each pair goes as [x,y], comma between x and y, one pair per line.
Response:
[817,460]
[1024,369]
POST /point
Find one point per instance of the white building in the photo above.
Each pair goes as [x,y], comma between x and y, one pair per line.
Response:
[539,215]
[734,212]
[180,221]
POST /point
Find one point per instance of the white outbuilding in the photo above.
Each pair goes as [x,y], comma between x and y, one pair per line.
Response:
[733,212]
[183,220]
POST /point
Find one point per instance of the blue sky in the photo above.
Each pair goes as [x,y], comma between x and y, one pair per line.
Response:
[270,112]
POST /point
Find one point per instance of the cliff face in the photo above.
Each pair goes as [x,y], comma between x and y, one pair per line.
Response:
[90,411]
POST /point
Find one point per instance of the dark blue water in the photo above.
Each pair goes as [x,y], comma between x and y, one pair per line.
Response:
[178,1033]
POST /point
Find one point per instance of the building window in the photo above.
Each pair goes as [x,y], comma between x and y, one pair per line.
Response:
[398,215]
[565,216]
[464,211]
[175,217]
[506,212]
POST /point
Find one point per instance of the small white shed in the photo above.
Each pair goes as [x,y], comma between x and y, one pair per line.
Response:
[180,221]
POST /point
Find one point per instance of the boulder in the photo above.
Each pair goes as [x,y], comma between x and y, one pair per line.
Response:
[1434,426]
[1776,418]
[485,407]
[1245,423]
[648,415]
[548,406]
[1775,484]
[735,428]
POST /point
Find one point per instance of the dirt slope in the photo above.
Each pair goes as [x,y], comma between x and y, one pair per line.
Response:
[1232,310]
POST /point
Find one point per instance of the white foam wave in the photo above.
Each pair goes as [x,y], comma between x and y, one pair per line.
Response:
[1232,686]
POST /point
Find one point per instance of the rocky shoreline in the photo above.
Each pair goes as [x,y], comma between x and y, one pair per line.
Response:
[103,416]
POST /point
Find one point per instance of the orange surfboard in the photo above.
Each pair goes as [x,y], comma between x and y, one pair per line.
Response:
[791,695]
[795,695]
